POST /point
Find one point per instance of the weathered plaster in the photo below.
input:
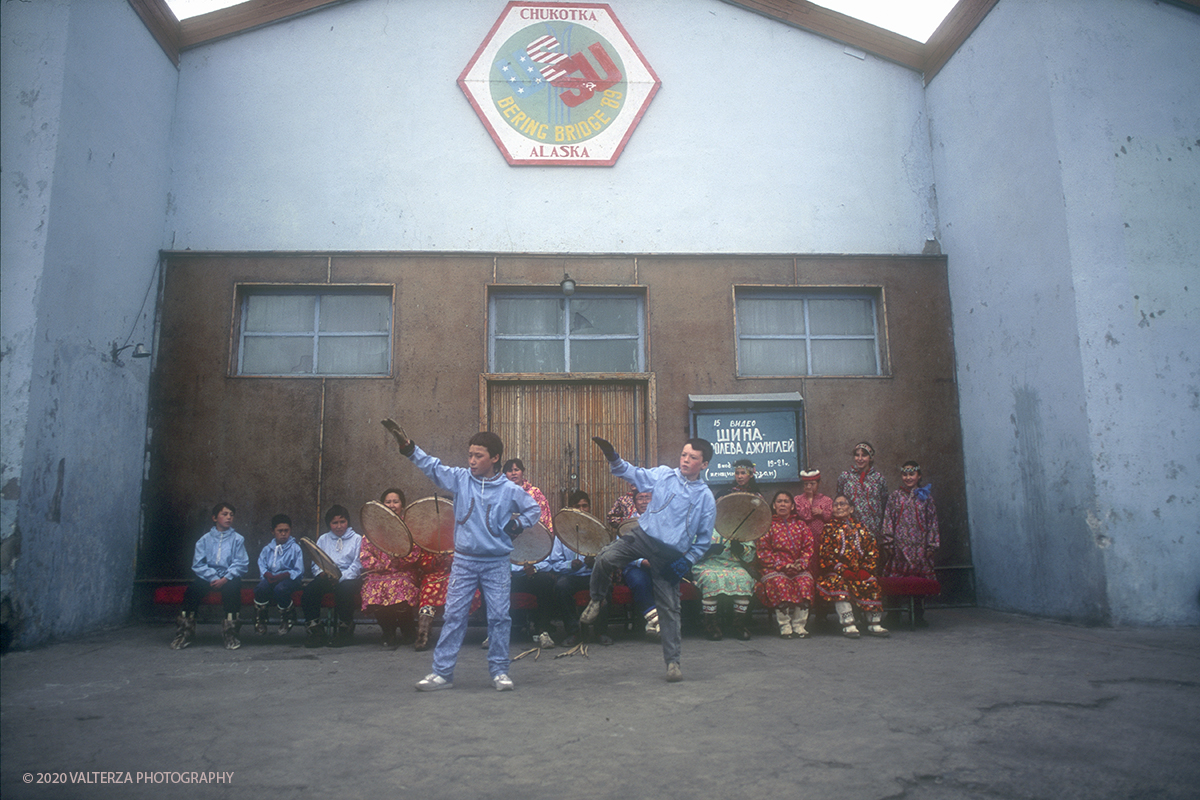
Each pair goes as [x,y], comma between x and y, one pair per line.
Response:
[763,139]
[101,146]
[1034,191]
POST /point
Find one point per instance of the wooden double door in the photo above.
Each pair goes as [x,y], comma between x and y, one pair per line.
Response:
[549,425]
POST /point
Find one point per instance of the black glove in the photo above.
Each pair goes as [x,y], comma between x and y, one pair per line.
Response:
[675,571]
[737,548]
[513,529]
[606,448]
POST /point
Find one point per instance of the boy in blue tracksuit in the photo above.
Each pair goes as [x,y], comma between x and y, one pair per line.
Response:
[674,533]
[281,563]
[219,562]
[489,511]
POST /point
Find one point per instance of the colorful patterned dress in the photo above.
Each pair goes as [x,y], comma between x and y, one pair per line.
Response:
[388,580]
[849,560]
[434,571]
[814,514]
[789,541]
[546,518]
[909,535]
[868,492]
[725,573]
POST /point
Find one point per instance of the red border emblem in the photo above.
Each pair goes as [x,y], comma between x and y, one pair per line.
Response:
[559,84]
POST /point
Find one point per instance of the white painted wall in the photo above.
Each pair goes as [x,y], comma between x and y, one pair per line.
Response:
[1068,186]
[346,130]
[85,185]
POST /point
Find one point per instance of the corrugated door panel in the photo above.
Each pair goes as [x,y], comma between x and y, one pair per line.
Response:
[549,425]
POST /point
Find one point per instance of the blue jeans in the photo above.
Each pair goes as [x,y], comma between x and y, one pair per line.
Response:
[634,546]
[280,591]
[493,577]
[638,579]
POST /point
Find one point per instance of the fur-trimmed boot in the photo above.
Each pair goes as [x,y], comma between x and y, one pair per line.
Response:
[799,623]
[185,630]
[784,620]
[287,618]
[846,618]
[875,625]
[741,623]
[424,626]
[712,628]
[315,633]
[388,620]
[229,632]
[260,618]
[344,635]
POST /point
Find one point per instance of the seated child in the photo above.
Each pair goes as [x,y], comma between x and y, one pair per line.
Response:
[220,561]
[342,544]
[281,563]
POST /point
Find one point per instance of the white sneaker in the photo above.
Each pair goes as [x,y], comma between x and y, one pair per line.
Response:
[487,642]
[503,683]
[544,641]
[432,682]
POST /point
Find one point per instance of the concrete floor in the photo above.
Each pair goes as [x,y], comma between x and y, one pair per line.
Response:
[980,705]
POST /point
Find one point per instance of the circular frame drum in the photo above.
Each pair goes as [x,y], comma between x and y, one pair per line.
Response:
[743,516]
[385,530]
[430,522]
[320,558]
[532,545]
[581,532]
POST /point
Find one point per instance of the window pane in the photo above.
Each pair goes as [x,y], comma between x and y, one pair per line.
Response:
[841,317]
[352,313]
[604,355]
[279,313]
[352,355]
[604,316]
[772,357]
[529,356]
[844,357]
[770,317]
[529,315]
[277,355]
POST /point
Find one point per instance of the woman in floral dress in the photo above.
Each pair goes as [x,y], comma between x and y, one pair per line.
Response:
[849,561]
[910,535]
[389,590]
[784,554]
[865,488]
[725,571]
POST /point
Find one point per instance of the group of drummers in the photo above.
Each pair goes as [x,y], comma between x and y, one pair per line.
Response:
[791,553]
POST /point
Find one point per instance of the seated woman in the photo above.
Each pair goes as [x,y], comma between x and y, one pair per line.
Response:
[432,572]
[909,536]
[726,570]
[389,590]
[783,557]
[849,560]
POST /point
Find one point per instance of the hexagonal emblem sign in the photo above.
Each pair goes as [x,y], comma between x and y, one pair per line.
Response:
[559,84]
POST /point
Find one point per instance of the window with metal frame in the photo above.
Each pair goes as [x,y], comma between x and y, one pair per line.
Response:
[315,331]
[588,331]
[807,332]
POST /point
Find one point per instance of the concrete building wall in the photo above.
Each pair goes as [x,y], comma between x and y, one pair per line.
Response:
[84,197]
[1067,188]
[345,130]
